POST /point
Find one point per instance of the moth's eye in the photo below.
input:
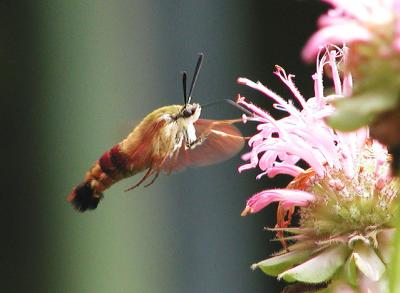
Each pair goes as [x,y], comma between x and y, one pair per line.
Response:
[187,113]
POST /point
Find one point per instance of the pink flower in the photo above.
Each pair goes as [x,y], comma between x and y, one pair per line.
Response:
[357,21]
[344,197]
[371,31]
[302,135]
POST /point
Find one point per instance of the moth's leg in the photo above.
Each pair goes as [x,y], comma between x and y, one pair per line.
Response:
[148,173]
[153,180]
[198,141]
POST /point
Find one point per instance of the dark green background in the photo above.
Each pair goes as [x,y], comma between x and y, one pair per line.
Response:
[75,77]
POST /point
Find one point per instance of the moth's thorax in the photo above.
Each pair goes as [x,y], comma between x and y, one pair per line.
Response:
[180,127]
[163,131]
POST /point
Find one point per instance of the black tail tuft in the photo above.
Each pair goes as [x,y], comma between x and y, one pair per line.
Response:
[83,197]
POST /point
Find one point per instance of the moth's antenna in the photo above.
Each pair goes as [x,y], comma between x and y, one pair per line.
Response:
[196,74]
[184,77]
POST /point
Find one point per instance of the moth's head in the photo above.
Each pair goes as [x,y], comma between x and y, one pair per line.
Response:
[190,112]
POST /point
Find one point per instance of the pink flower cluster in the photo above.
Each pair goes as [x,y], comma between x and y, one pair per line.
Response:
[355,21]
[302,135]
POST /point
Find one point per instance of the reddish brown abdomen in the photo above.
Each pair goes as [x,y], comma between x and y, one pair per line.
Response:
[109,169]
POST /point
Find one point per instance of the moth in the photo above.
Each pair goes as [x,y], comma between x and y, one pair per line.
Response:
[168,139]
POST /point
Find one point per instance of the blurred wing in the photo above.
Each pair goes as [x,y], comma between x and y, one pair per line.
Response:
[223,141]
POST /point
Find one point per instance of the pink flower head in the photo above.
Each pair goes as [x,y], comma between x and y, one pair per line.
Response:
[344,197]
[280,144]
[371,31]
[357,21]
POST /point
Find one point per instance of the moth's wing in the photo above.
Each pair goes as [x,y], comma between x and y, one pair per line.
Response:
[222,141]
[138,147]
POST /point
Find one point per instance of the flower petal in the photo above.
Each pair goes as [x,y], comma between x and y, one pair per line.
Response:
[287,197]
[335,34]
[291,170]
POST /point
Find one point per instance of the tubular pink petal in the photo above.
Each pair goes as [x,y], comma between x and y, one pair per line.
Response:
[324,142]
[335,73]
[289,159]
[318,87]
[287,197]
[259,137]
[287,80]
[349,7]
[336,34]
[361,10]
[332,18]
[246,167]
[266,91]
[303,151]
[259,176]
[280,169]
[254,108]
[246,156]
[347,85]
[267,160]
[318,78]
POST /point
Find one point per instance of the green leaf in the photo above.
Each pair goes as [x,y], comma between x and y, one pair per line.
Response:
[367,261]
[394,272]
[275,265]
[318,269]
[359,110]
[350,271]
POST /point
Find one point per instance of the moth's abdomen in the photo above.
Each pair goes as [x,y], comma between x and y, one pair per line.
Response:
[109,169]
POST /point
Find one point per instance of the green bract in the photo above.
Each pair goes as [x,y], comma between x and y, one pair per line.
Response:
[361,109]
